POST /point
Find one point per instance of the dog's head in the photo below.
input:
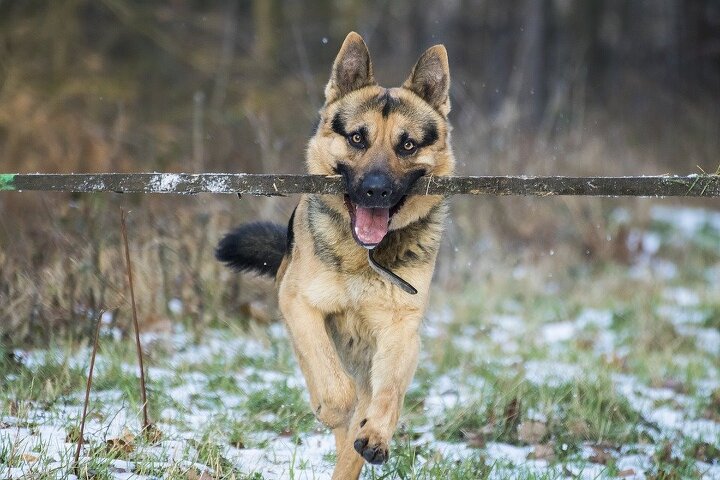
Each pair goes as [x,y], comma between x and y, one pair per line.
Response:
[381,140]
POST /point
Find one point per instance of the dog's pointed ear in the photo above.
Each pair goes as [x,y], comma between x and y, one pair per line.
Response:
[430,78]
[351,70]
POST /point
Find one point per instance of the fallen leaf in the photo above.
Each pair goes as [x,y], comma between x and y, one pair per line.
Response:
[193,474]
[152,434]
[118,445]
[578,428]
[29,457]
[542,452]
[600,455]
[474,439]
[676,386]
[122,445]
[531,432]
[628,472]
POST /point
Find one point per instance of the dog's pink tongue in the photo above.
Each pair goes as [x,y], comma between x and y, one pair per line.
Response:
[371,224]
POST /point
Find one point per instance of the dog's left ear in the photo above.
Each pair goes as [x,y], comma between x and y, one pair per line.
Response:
[430,79]
[351,70]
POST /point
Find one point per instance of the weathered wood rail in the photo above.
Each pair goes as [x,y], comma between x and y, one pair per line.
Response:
[698,185]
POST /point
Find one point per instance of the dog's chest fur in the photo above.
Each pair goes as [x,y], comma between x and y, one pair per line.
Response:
[413,246]
[358,304]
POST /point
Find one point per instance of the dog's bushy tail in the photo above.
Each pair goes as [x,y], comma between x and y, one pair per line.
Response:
[254,247]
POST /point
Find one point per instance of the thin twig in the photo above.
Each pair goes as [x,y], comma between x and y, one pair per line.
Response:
[88,386]
[143,391]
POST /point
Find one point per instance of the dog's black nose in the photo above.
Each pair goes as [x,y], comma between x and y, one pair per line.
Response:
[376,187]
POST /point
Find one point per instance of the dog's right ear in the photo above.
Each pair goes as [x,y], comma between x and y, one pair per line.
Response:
[430,79]
[351,70]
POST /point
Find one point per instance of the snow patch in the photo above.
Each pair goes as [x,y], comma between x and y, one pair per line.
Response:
[558,332]
[688,221]
[164,182]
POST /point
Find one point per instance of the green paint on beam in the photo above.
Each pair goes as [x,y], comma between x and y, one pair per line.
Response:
[6,181]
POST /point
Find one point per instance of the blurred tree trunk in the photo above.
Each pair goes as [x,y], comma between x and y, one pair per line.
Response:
[62,16]
[588,21]
[227,53]
[265,46]
[526,93]
[692,37]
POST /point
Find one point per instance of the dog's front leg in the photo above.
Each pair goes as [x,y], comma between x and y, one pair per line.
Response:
[349,463]
[332,391]
[393,367]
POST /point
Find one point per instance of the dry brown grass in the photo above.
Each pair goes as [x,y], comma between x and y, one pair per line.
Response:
[119,97]
[55,272]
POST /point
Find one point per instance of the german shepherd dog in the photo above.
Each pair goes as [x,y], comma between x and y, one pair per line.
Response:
[340,263]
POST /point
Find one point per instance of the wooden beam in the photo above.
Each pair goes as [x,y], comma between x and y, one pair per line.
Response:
[702,185]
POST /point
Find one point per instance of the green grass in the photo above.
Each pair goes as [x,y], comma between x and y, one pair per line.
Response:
[285,406]
[210,453]
[576,412]
[404,459]
[45,382]
[243,395]
[421,462]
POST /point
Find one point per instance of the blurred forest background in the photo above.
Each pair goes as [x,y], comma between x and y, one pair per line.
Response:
[538,87]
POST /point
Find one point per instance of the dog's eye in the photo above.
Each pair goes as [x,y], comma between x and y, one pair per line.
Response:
[356,140]
[408,147]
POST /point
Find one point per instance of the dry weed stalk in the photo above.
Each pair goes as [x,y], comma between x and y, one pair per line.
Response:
[143,390]
[88,386]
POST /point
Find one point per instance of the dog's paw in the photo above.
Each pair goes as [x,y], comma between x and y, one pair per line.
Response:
[336,406]
[371,446]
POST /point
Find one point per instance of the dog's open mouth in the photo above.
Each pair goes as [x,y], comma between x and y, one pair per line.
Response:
[369,225]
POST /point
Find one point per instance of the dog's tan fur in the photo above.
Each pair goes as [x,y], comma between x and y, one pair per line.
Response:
[356,335]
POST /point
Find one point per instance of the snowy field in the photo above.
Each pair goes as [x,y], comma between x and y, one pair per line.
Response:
[615,374]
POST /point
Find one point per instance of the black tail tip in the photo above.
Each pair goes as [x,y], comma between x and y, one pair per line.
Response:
[256,247]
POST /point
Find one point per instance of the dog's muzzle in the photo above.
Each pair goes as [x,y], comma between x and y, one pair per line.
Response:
[372,200]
